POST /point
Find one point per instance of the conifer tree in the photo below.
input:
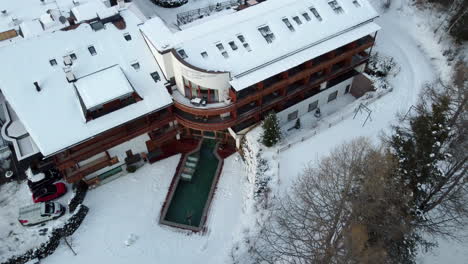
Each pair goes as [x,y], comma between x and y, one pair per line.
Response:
[271,130]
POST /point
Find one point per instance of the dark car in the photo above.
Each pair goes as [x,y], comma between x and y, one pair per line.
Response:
[49,192]
[51,176]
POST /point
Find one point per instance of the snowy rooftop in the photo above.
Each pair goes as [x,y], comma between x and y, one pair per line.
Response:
[103,86]
[92,10]
[53,117]
[31,13]
[279,34]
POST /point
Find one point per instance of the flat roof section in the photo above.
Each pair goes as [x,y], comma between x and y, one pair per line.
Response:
[103,86]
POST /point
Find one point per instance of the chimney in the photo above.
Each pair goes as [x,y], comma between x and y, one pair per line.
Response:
[38,88]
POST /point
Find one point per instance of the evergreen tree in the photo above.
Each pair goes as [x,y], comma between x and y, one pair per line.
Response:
[271,130]
[430,147]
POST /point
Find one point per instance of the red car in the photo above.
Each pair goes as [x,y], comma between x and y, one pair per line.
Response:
[49,192]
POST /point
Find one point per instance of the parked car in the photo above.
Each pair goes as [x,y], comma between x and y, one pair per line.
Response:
[49,192]
[38,213]
[40,179]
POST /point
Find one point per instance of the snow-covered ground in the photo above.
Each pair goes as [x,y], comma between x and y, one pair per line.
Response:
[127,210]
[14,238]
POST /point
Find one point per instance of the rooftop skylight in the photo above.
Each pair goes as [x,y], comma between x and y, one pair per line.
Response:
[267,34]
[335,6]
[155,76]
[53,62]
[233,45]
[136,65]
[204,54]
[316,13]
[356,3]
[288,24]
[182,53]
[306,16]
[92,50]
[244,42]
[297,20]
[127,37]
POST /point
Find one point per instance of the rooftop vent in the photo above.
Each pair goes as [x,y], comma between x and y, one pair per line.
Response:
[267,34]
[38,88]
[70,76]
[288,24]
[67,60]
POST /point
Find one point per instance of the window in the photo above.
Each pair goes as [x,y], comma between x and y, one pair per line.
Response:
[220,46]
[204,54]
[136,65]
[347,88]
[335,6]
[297,20]
[267,34]
[313,106]
[293,115]
[92,50]
[306,16]
[155,76]
[288,24]
[233,45]
[356,3]
[182,53]
[73,56]
[332,96]
[244,42]
[316,13]
[127,37]
[53,62]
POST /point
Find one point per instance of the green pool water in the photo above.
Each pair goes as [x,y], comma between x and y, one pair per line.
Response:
[190,198]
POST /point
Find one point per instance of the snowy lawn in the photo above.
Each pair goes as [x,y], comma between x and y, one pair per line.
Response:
[122,224]
[16,239]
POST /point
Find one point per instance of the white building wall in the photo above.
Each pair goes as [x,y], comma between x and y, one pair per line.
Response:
[215,81]
[164,60]
[322,97]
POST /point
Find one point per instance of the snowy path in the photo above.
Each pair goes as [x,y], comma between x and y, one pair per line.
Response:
[131,205]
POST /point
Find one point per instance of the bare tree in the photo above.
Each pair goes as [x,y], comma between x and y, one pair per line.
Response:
[344,210]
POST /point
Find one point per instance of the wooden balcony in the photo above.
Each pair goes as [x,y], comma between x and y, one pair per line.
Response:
[108,140]
[76,174]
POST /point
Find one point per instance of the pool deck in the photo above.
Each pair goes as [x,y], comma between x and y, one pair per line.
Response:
[175,182]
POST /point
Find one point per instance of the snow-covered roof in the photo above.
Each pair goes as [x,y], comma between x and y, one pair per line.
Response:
[92,10]
[266,34]
[103,86]
[15,12]
[54,116]
[31,28]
